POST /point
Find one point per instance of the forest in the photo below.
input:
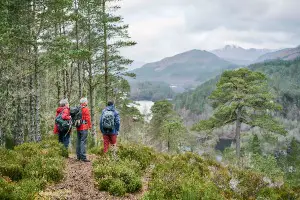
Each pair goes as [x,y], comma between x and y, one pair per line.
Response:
[68,49]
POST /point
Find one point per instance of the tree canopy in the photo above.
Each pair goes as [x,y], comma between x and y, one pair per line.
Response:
[242,96]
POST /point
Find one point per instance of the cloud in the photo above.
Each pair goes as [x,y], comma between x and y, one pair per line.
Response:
[165,27]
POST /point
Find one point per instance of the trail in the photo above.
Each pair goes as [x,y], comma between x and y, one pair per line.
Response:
[79,184]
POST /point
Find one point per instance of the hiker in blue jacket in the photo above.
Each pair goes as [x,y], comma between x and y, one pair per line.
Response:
[110,126]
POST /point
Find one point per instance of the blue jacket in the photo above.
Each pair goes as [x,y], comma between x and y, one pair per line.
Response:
[117,122]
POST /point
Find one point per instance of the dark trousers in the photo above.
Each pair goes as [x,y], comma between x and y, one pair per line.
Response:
[64,138]
[81,144]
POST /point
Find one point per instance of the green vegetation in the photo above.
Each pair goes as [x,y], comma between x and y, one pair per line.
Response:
[282,78]
[166,127]
[123,174]
[151,91]
[196,100]
[187,176]
[242,96]
[27,169]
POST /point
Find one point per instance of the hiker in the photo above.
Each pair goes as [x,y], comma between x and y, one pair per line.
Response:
[109,126]
[62,123]
[82,130]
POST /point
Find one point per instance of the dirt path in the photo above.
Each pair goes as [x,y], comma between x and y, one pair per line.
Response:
[79,184]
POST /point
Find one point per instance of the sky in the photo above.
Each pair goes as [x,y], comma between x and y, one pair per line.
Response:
[163,28]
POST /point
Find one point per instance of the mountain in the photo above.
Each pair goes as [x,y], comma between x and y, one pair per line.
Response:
[239,55]
[283,78]
[135,65]
[284,54]
[188,68]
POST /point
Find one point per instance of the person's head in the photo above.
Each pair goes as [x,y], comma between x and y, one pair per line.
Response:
[84,101]
[110,103]
[64,102]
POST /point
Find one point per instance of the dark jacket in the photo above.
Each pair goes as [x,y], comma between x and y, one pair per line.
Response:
[116,129]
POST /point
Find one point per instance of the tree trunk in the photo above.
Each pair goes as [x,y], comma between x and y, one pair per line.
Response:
[105,53]
[38,135]
[77,48]
[31,131]
[2,138]
[238,135]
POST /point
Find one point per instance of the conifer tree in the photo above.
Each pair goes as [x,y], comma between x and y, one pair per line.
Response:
[242,96]
[255,145]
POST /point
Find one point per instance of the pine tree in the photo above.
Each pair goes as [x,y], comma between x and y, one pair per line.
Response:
[255,145]
[166,126]
[242,96]
[115,37]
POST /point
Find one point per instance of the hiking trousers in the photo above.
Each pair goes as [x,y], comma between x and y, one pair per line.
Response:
[107,140]
[64,138]
[81,144]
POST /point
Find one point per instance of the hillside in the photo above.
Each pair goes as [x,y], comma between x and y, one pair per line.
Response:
[151,91]
[284,79]
[239,55]
[188,68]
[284,54]
[139,173]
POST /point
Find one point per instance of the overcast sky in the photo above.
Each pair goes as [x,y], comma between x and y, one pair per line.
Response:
[166,27]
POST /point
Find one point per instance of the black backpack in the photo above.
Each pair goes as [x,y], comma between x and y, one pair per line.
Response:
[64,126]
[76,114]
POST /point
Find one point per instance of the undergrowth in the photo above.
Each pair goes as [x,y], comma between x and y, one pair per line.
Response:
[183,176]
[122,174]
[27,169]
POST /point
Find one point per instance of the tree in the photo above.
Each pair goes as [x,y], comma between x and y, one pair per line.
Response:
[166,126]
[242,96]
[115,37]
[255,145]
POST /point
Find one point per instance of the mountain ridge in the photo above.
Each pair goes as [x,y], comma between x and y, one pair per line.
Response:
[283,54]
[239,55]
[189,67]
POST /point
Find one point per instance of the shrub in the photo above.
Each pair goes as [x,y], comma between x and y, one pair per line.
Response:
[117,187]
[104,183]
[122,170]
[10,164]
[135,184]
[27,188]
[143,155]
[50,169]
[13,171]
[6,189]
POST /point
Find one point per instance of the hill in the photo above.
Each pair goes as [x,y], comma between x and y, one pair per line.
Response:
[284,79]
[139,173]
[284,54]
[151,91]
[239,55]
[188,68]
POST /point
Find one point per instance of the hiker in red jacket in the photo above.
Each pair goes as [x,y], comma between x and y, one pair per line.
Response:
[82,131]
[63,136]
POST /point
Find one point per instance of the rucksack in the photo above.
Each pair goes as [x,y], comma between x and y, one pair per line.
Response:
[63,126]
[108,119]
[76,114]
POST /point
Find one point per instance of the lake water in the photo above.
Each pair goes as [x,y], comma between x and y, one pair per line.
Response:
[145,108]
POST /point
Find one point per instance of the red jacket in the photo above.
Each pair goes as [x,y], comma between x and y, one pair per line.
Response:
[86,116]
[65,115]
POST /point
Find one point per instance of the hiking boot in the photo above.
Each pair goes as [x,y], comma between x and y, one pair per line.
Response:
[85,160]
